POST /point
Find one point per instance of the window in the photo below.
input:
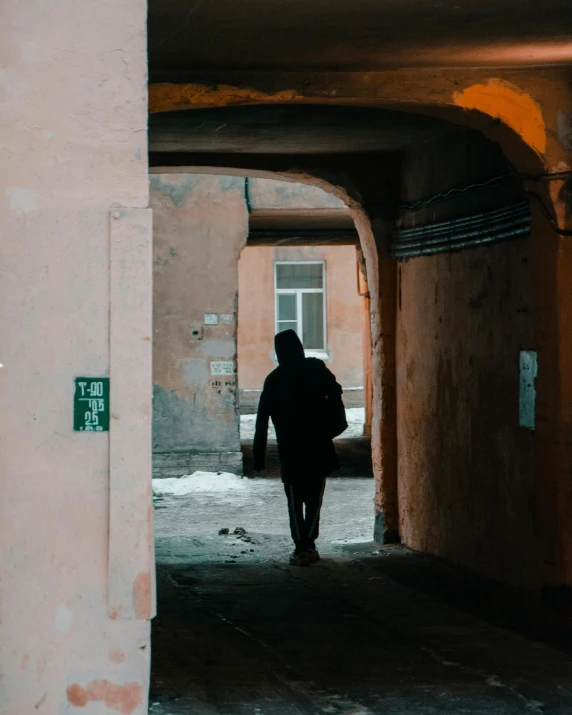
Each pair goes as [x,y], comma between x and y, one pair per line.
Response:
[300,301]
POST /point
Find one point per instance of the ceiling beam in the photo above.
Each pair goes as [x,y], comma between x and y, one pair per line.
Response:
[306,237]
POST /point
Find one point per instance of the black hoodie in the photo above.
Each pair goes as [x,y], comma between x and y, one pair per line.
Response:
[289,349]
[298,396]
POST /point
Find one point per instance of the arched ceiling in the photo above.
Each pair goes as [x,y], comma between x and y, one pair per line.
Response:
[361,35]
[291,129]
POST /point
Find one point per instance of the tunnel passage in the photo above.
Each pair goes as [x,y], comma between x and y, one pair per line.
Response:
[452,462]
[449,281]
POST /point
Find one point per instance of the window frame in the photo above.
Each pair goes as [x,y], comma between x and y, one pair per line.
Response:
[309,352]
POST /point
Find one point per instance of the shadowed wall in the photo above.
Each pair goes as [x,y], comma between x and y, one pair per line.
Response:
[466,479]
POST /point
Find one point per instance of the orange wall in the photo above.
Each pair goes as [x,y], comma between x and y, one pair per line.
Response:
[465,465]
[256,311]
[466,474]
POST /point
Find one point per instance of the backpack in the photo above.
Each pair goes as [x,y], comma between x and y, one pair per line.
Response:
[335,417]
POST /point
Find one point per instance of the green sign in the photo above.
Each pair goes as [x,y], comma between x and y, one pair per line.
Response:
[91,404]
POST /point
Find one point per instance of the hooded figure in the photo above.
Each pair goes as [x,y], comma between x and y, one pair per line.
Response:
[304,401]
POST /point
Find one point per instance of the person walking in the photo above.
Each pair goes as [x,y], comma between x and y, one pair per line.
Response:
[304,401]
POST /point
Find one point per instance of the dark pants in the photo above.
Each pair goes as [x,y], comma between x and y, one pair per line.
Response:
[305,524]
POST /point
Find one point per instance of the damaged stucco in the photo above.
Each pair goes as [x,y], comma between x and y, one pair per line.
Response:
[200,228]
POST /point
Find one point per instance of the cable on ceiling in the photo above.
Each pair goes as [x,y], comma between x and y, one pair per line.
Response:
[458,191]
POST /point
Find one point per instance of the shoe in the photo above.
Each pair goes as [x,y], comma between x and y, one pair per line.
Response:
[300,559]
[313,555]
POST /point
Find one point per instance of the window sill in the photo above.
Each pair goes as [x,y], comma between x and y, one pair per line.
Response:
[321,354]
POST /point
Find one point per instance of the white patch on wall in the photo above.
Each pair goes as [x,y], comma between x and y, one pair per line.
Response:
[222,367]
[211,319]
[195,372]
[226,318]
[63,618]
[527,397]
[218,348]
[22,200]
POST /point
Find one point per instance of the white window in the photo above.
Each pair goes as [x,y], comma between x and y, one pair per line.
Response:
[300,292]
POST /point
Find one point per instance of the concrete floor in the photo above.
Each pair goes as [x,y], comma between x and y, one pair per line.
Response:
[370,630]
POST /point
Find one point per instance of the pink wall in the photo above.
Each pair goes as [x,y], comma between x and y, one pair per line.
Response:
[74,634]
[256,311]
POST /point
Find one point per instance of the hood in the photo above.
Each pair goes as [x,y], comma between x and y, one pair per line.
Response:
[289,350]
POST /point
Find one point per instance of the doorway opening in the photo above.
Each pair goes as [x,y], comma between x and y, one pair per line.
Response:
[275,255]
[236,261]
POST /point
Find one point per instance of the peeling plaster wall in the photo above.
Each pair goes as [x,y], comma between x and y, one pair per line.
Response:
[466,478]
[256,325]
[73,144]
[270,194]
[200,227]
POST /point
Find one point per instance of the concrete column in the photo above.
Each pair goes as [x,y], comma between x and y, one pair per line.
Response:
[367,381]
[366,323]
[552,281]
[383,328]
[381,278]
[73,101]
[551,263]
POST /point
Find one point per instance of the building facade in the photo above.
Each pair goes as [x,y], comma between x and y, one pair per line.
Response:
[312,290]
[216,307]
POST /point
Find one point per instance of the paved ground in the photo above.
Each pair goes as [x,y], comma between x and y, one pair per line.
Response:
[369,631]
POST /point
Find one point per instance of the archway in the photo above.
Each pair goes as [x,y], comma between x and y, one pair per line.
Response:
[368,184]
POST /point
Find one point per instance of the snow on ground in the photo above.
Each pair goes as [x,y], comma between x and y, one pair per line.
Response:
[354,415]
[199,482]
[187,524]
[190,511]
[247,426]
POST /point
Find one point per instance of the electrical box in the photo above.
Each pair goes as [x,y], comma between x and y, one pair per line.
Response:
[527,397]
